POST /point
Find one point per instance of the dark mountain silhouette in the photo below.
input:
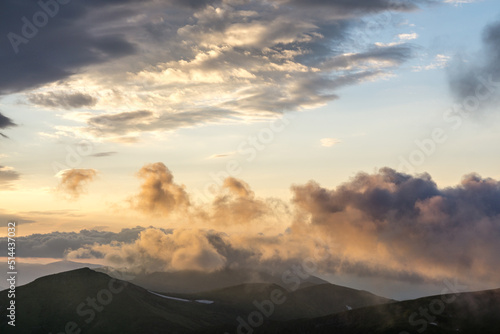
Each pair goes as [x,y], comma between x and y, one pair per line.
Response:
[94,302]
[469,312]
[196,281]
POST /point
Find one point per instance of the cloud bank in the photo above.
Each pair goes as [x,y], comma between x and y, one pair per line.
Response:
[383,225]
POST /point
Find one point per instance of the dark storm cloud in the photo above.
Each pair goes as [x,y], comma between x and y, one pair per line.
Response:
[5,122]
[183,54]
[58,48]
[62,100]
[476,82]
[56,243]
[454,228]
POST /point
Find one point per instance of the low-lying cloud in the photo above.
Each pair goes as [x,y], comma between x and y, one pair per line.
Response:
[56,244]
[386,225]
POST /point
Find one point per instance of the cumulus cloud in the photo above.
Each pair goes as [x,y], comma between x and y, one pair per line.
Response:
[159,195]
[7,176]
[386,225]
[234,205]
[393,221]
[73,181]
[237,205]
[227,61]
[5,122]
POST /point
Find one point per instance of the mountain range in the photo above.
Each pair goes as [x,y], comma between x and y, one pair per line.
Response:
[94,302]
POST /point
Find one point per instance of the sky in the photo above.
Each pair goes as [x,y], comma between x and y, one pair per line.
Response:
[204,134]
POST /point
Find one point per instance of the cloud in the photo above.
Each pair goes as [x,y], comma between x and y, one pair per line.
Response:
[34,56]
[5,122]
[6,217]
[475,82]
[103,154]
[440,61]
[385,225]
[329,142]
[221,155]
[460,2]
[7,176]
[363,5]
[57,244]
[131,124]
[62,100]
[408,37]
[237,206]
[156,250]
[159,195]
[297,56]
[397,222]
[73,181]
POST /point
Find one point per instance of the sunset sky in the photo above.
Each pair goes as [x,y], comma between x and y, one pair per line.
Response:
[251,132]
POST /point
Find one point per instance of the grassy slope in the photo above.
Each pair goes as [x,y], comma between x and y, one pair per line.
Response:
[309,302]
[474,312]
[48,303]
